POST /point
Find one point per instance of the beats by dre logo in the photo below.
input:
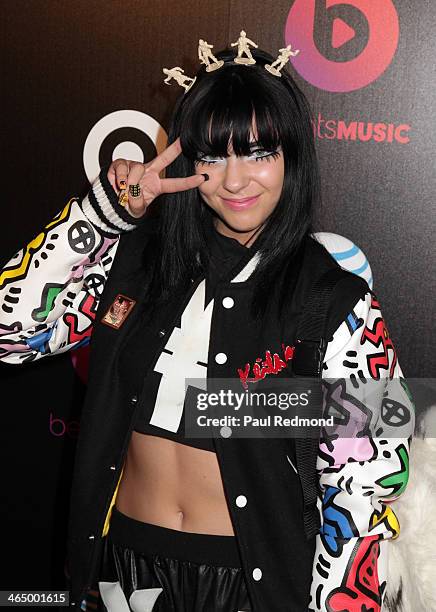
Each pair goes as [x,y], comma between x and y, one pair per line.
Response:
[125,134]
[344,45]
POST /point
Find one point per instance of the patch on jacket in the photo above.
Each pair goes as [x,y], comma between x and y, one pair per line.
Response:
[272,364]
[118,311]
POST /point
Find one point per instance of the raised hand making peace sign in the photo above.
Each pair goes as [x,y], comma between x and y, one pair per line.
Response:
[123,173]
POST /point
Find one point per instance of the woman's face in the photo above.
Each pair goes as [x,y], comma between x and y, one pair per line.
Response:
[243,191]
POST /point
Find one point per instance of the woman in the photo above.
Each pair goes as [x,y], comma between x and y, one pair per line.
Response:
[207,277]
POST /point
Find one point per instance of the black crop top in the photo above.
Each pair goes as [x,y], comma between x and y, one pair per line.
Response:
[225,254]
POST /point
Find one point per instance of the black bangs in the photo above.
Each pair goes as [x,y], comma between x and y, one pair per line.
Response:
[224,115]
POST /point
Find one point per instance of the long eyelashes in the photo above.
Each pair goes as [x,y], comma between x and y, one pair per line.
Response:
[268,157]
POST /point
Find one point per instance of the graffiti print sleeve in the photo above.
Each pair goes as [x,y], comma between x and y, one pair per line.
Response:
[49,290]
[363,468]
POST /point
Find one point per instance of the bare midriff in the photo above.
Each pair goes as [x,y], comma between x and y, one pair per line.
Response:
[173,485]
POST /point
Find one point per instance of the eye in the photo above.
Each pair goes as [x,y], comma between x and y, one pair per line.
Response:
[263,154]
[203,160]
[257,155]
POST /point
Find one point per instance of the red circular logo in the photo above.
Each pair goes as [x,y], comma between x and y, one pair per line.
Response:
[375,20]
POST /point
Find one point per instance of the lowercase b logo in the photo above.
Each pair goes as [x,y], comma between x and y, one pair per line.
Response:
[346,23]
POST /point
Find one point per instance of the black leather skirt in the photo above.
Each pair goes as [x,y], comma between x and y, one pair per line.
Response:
[148,568]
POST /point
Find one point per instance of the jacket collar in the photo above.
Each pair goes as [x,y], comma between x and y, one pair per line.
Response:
[247,257]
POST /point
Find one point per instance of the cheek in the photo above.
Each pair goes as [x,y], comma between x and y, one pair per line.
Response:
[209,188]
[266,178]
[206,189]
[275,179]
[207,192]
[271,174]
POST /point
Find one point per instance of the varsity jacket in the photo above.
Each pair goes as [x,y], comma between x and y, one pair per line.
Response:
[56,295]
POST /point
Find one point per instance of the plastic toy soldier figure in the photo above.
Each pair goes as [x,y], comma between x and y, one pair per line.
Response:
[243,47]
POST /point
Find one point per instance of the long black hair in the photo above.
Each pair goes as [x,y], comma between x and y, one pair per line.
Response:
[218,109]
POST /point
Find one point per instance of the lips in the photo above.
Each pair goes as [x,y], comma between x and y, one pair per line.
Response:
[241,203]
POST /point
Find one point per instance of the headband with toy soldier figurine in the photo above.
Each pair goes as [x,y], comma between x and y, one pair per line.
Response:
[206,56]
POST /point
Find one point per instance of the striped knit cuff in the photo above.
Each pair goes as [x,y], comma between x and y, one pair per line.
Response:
[102,209]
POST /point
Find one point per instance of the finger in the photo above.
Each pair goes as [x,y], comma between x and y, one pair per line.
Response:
[167,156]
[121,170]
[136,204]
[111,178]
[136,172]
[171,185]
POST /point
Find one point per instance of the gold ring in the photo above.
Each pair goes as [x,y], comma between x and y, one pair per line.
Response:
[123,198]
[135,190]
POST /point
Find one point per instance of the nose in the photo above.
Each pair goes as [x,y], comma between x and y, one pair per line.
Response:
[236,174]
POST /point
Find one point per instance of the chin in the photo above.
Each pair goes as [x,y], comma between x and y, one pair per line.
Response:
[237,223]
[241,228]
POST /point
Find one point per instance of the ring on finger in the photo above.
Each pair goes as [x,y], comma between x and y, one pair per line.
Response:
[135,190]
[123,198]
